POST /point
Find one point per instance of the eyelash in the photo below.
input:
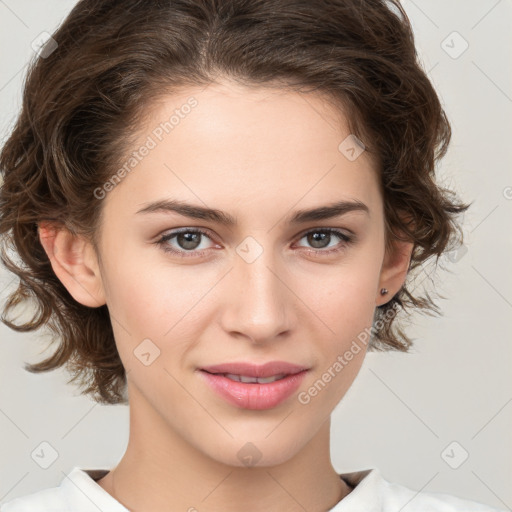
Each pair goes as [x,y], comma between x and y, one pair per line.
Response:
[162,241]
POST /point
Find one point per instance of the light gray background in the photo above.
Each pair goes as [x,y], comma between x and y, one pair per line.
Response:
[404,409]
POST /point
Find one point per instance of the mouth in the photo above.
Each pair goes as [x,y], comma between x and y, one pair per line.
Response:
[249,370]
[251,380]
[251,386]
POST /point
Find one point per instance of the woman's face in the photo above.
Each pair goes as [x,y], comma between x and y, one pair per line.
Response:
[262,288]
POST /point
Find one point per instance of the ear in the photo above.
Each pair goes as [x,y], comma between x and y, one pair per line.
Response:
[74,262]
[394,269]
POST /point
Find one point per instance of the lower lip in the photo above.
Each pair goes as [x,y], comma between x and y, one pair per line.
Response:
[253,395]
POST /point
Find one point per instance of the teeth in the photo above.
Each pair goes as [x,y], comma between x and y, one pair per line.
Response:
[250,380]
[254,380]
[266,380]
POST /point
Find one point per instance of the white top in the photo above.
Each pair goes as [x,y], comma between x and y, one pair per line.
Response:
[79,492]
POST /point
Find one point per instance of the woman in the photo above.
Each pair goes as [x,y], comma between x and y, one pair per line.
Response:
[218,206]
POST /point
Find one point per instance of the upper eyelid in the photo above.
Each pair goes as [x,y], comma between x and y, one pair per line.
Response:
[346,231]
[208,231]
[205,231]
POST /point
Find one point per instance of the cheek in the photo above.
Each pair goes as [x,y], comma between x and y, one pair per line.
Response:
[154,300]
[344,297]
[149,298]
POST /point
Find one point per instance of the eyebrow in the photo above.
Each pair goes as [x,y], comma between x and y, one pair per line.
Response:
[299,217]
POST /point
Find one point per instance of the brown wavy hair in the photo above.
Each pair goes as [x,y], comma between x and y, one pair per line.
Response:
[84,101]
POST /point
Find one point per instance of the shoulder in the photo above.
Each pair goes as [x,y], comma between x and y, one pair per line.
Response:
[78,491]
[40,501]
[419,501]
[373,493]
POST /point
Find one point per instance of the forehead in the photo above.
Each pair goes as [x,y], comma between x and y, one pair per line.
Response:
[253,119]
[236,145]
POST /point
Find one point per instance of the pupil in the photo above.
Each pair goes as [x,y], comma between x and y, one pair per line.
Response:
[316,239]
[186,240]
[190,240]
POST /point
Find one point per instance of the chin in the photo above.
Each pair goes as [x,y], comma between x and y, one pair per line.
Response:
[255,454]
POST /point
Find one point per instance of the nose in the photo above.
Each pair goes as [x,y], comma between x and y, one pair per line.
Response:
[259,305]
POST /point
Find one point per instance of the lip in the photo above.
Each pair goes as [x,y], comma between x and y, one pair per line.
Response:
[254,370]
[254,396]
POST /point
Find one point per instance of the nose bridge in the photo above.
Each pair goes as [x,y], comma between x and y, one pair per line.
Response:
[260,308]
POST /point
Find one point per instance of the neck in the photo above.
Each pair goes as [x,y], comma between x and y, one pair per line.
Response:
[164,472]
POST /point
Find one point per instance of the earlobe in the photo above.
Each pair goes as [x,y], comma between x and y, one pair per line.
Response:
[74,262]
[394,270]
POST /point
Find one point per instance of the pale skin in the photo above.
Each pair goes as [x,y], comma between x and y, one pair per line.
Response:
[258,155]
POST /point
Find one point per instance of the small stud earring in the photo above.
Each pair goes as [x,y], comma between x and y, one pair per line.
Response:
[383,291]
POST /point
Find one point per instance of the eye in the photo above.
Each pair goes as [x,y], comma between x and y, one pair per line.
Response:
[321,238]
[188,240]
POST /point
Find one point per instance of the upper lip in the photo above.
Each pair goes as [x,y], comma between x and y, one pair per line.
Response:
[253,370]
